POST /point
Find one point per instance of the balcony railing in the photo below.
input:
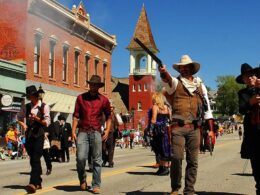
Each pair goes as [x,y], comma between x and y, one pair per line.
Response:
[143,71]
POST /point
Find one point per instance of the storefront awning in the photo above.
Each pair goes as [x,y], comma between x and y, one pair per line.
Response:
[59,102]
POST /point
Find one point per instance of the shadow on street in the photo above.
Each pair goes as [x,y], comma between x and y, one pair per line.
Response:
[148,167]
[24,173]
[146,193]
[68,188]
[243,174]
[216,193]
[165,193]
[140,173]
[15,187]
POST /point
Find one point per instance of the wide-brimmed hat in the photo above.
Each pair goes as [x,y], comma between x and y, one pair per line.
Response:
[186,60]
[245,68]
[31,90]
[95,79]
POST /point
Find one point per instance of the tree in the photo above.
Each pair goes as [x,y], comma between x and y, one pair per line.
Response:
[227,98]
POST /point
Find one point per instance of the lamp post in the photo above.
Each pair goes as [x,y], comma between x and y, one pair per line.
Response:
[41,92]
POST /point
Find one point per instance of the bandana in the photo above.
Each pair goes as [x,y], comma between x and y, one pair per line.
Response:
[191,86]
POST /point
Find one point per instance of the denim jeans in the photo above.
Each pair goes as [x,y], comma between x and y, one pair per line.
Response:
[85,141]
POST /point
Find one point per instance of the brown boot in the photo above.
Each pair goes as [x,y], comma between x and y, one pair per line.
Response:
[83,185]
[175,193]
[96,190]
[31,189]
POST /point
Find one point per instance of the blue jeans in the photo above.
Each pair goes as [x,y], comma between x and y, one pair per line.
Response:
[87,141]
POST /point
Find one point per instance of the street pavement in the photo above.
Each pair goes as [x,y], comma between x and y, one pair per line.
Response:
[224,173]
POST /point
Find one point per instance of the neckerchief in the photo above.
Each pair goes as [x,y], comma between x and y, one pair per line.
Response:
[191,86]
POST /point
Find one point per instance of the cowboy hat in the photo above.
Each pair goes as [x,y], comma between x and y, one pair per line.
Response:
[95,79]
[30,90]
[186,60]
[245,68]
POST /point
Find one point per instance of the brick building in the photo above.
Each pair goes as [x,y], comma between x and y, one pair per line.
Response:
[59,47]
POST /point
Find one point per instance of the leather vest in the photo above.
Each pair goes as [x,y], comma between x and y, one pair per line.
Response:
[184,105]
[35,129]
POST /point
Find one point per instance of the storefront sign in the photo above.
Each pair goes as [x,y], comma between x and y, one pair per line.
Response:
[6,100]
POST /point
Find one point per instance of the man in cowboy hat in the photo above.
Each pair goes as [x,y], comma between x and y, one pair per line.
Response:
[190,105]
[87,117]
[37,116]
[249,99]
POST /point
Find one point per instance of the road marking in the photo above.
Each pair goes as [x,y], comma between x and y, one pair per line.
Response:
[103,175]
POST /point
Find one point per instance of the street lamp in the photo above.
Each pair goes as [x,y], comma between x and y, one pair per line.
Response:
[41,92]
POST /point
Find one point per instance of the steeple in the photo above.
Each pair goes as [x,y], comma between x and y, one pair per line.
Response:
[143,32]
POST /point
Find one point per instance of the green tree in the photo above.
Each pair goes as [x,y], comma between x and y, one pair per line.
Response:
[227,98]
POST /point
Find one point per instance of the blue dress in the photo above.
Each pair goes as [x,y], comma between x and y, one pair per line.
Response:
[160,142]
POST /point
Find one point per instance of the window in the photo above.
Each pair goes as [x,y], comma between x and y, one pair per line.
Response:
[104,75]
[96,66]
[139,106]
[134,88]
[51,59]
[139,87]
[145,87]
[76,67]
[37,56]
[87,69]
[65,64]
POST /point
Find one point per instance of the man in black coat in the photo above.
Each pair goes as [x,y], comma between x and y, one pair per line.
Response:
[65,138]
[249,105]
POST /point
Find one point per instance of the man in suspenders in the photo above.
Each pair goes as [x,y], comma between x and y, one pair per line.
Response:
[190,105]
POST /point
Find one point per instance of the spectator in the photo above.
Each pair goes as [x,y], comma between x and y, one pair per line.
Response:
[65,139]
[132,137]
[108,146]
[55,139]
[11,138]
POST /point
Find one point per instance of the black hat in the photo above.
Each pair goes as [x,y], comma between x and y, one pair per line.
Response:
[61,117]
[245,68]
[95,79]
[31,90]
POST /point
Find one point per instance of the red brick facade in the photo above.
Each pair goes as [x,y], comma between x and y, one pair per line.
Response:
[20,22]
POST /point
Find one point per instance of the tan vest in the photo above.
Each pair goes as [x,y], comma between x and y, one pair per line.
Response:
[184,105]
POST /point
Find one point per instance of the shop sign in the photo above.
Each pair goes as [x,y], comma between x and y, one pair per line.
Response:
[6,100]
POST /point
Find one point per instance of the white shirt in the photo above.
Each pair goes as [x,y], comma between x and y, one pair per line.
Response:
[171,89]
[34,110]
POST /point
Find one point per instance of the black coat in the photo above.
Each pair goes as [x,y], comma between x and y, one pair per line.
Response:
[54,131]
[66,132]
[251,140]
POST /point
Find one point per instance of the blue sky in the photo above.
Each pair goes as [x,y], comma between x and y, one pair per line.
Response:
[219,34]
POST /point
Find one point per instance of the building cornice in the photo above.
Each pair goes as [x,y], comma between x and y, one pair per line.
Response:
[72,21]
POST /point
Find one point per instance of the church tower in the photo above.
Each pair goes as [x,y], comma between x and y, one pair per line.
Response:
[142,73]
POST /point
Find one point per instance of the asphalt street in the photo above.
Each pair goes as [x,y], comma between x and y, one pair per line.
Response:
[224,173]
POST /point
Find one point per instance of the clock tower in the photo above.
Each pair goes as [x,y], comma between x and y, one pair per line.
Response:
[142,74]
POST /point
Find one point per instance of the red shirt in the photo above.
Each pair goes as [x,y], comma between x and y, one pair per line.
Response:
[89,109]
